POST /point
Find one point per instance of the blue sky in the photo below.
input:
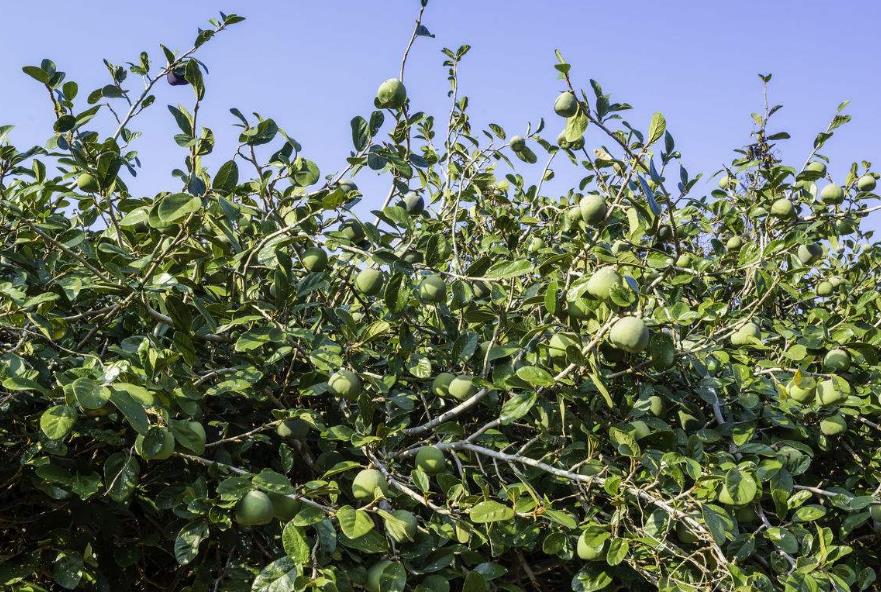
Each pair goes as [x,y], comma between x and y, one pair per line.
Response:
[312,65]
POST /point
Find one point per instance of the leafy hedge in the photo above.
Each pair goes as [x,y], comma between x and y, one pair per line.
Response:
[248,383]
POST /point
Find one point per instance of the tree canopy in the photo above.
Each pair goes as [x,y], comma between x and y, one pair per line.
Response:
[261,379]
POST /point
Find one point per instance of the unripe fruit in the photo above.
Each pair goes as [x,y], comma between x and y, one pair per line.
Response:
[431,460]
[587,551]
[314,259]
[366,482]
[816,167]
[440,386]
[629,334]
[593,208]
[292,428]
[284,508]
[824,288]
[163,453]
[602,282]
[566,104]
[836,360]
[803,391]
[369,281]
[558,344]
[782,208]
[255,509]
[836,281]
[413,203]
[734,243]
[407,532]
[828,394]
[562,142]
[351,230]
[345,383]
[833,425]
[725,182]
[832,194]
[518,143]
[664,233]
[535,244]
[391,94]
[87,183]
[433,289]
[662,351]
[807,254]
[866,183]
[462,387]
[744,335]
[374,575]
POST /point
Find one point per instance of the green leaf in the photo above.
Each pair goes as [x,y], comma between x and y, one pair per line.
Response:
[354,523]
[517,406]
[176,206]
[121,472]
[657,127]
[576,126]
[186,545]
[618,549]
[535,376]
[130,408]
[295,544]
[227,177]
[278,576]
[740,486]
[89,394]
[509,269]
[809,513]
[490,511]
[590,579]
[56,422]
[273,482]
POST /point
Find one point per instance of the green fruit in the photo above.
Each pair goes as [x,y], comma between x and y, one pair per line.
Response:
[462,387]
[440,386]
[836,281]
[566,104]
[413,203]
[559,342]
[292,428]
[562,142]
[407,532]
[824,288]
[662,351]
[803,390]
[431,460]
[535,244]
[435,583]
[744,335]
[832,194]
[163,453]
[602,282]
[433,289]
[664,233]
[587,551]
[593,208]
[87,183]
[833,425]
[517,143]
[828,394]
[254,509]
[783,209]
[712,364]
[366,482]
[875,512]
[374,575]
[345,383]
[816,167]
[684,260]
[629,334]
[866,183]
[725,182]
[391,94]
[807,254]
[284,508]
[369,281]
[351,231]
[836,360]
[314,259]
[734,243]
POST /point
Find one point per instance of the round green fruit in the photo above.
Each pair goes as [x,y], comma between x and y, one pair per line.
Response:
[783,208]
[391,94]
[407,532]
[833,425]
[344,383]
[734,243]
[163,453]
[535,244]
[828,394]
[292,428]
[433,289]
[517,143]
[824,288]
[836,281]
[284,508]
[832,194]
[662,351]
[351,231]
[314,259]
[589,552]
[808,254]
[431,460]
[866,183]
[602,282]
[744,335]
[816,167]
[803,390]
[629,334]
[726,181]
[559,342]
[462,387]
[374,575]
[87,183]
[566,104]
[369,281]
[440,386]
[562,142]
[836,360]
[366,482]
[413,203]
[255,509]
[593,208]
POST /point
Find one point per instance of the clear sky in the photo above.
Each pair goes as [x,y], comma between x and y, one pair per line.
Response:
[313,64]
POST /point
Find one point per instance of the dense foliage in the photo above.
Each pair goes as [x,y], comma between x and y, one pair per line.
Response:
[243,384]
